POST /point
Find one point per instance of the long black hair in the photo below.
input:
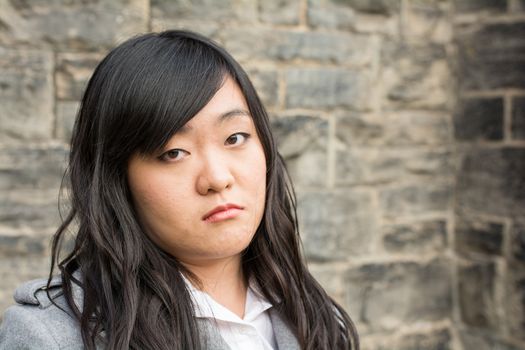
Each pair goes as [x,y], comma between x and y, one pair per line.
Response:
[141,93]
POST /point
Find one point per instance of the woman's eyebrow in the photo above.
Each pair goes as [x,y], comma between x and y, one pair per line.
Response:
[221,119]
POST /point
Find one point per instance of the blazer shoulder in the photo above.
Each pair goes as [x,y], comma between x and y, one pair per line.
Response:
[41,319]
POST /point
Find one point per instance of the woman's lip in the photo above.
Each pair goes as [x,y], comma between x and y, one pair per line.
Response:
[220,208]
[223,215]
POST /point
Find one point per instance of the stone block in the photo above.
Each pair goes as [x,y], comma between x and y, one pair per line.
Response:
[380,7]
[482,340]
[416,199]
[468,6]
[374,166]
[327,88]
[24,245]
[72,73]
[303,143]
[66,115]
[403,128]
[416,76]
[336,225]
[476,290]
[492,57]
[436,340]
[331,279]
[518,242]
[219,11]
[386,296]
[35,210]
[427,22]
[518,118]
[339,47]
[266,82]
[491,181]
[420,237]
[73,24]
[515,300]
[475,235]
[32,167]
[479,119]
[331,14]
[26,95]
[280,11]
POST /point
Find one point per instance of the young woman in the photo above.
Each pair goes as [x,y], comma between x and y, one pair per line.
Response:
[186,231]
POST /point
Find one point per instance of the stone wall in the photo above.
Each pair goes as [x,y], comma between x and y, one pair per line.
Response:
[402,124]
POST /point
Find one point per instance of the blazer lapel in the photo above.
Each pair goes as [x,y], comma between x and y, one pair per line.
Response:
[286,340]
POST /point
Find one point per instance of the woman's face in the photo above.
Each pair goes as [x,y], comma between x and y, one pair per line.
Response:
[215,160]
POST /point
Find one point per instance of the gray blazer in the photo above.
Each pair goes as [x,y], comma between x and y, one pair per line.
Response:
[36,323]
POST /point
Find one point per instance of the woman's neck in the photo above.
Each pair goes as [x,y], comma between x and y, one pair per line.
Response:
[224,281]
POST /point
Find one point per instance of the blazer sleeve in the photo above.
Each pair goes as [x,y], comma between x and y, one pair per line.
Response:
[22,330]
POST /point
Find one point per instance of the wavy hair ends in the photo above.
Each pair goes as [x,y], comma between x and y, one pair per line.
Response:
[140,94]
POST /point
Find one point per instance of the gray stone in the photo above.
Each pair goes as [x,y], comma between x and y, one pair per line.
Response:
[482,340]
[491,181]
[33,209]
[404,128]
[479,119]
[478,236]
[73,72]
[72,24]
[32,167]
[332,14]
[26,95]
[476,290]
[327,87]
[386,296]
[518,241]
[492,6]
[66,115]
[373,166]
[416,76]
[24,244]
[514,300]
[336,225]
[492,57]
[421,237]
[338,47]
[437,340]
[518,118]
[415,199]
[280,11]
[331,278]
[382,7]
[266,82]
[220,11]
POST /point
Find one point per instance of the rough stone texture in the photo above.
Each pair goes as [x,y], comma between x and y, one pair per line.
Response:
[402,128]
[514,306]
[479,119]
[285,45]
[518,118]
[476,293]
[219,11]
[438,340]
[302,141]
[330,14]
[479,236]
[415,199]
[327,87]
[280,11]
[71,24]
[518,242]
[73,71]
[66,113]
[383,165]
[492,57]
[464,6]
[383,7]
[491,181]
[340,222]
[385,296]
[266,82]
[415,75]
[416,238]
[26,94]
[480,340]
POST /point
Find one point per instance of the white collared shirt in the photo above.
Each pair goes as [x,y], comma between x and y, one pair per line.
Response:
[254,331]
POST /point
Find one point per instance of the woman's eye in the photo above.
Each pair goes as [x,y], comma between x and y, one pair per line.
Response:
[172,155]
[237,139]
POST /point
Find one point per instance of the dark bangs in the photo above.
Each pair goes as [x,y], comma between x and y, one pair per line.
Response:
[149,87]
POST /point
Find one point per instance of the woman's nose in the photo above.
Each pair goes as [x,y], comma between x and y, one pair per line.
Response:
[215,175]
